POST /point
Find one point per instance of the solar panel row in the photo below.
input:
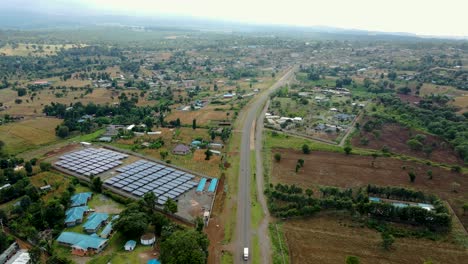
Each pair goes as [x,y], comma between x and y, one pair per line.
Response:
[91,161]
[144,176]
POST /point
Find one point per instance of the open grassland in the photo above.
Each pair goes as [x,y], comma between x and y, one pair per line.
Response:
[280,251]
[203,116]
[394,137]
[46,96]
[194,161]
[57,181]
[352,171]
[24,49]
[28,134]
[461,102]
[460,97]
[326,239]
[279,140]
[430,88]
[114,253]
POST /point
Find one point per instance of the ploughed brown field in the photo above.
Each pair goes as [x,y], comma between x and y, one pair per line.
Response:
[327,239]
[330,238]
[340,170]
[395,137]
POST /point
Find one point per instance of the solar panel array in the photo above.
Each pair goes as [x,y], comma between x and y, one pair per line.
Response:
[91,161]
[145,176]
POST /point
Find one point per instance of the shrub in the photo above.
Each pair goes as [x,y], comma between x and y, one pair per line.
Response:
[278,157]
[45,166]
[412,176]
[306,149]
[414,144]
[352,260]
[347,150]
[387,240]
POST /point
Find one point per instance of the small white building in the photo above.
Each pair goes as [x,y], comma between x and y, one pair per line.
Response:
[148,239]
[215,152]
[130,245]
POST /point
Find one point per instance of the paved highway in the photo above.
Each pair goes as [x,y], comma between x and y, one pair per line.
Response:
[243,226]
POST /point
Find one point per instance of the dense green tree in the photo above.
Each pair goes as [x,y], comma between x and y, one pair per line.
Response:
[170,206]
[412,176]
[21,92]
[45,166]
[150,199]
[352,260]
[28,167]
[465,208]
[35,254]
[305,149]
[430,174]
[347,150]
[163,154]
[159,221]
[148,121]
[277,157]
[96,184]
[199,224]
[5,241]
[208,154]
[54,214]
[185,247]
[63,131]
[387,240]
[132,222]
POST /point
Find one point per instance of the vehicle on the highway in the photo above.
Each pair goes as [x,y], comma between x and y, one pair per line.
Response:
[246,253]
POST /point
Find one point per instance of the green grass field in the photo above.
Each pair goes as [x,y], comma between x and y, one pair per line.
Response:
[280,252]
[28,134]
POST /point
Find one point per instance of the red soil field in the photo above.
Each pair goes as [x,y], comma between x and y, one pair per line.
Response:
[340,170]
[394,136]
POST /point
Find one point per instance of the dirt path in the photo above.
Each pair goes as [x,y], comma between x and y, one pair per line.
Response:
[350,130]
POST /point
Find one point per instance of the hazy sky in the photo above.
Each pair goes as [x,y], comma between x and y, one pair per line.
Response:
[429,17]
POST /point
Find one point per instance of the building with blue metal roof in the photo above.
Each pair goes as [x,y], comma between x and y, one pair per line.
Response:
[108,229]
[153,261]
[75,215]
[212,187]
[81,244]
[201,185]
[81,199]
[95,221]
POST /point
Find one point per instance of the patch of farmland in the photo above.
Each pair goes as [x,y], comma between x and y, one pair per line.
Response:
[22,135]
[203,116]
[324,239]
[394,136]
[462,102]
[352,171]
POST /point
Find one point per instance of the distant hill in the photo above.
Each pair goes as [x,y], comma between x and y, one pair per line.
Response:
[34,18]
